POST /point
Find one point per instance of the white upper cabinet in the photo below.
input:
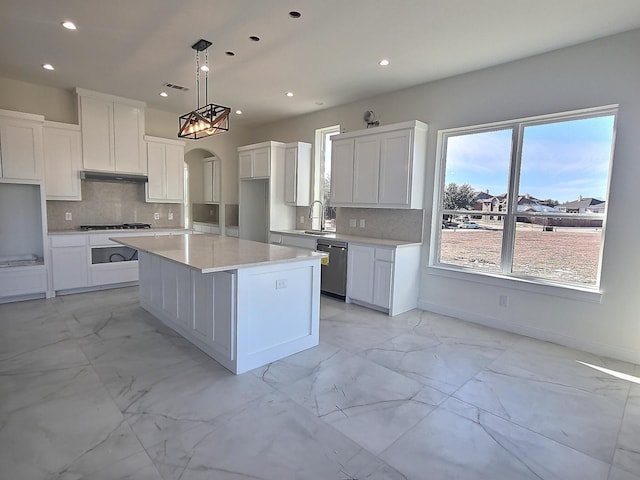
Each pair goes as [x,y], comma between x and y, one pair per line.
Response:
[366,169]
[21,150]
[297,174]
[382,167]
[112,133]
[342,171]
[212,183]
[62,161]
[165,159]
[254,161]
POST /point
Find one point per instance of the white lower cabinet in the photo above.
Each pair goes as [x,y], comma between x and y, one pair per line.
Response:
[384,277]
[79,262]
[22,281]
[69,261]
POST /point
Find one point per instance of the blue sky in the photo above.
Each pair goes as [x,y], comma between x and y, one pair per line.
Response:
[561,160]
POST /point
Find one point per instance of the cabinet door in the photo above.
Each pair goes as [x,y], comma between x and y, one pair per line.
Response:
[21,149]
[174,166]
[245,165]
[366,169]
[360,273]
[157,171]
[342,172]
[70,267]
[62,163]
[96,120]
[395,168]
[382,274]
[261,162]
[127,127]
[211,187]
[207,185]
[290,175]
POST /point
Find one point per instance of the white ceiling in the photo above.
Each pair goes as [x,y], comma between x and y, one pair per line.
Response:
[328,57]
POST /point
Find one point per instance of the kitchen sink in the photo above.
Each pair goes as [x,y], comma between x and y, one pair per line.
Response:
[318,232]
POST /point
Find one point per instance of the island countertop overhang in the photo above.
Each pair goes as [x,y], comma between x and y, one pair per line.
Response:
[208,253]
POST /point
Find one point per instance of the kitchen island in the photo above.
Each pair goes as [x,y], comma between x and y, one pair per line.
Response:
[243,303]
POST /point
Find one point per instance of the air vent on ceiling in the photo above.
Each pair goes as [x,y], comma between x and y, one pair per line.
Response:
[176,86]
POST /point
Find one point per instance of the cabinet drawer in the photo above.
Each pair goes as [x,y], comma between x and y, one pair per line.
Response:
[117,272]
[16,281]
[386,254]
[67,240]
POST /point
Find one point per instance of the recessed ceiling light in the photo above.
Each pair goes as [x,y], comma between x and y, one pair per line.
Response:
[295,14]
[48,66]
[238,112]
[254,38]
[229,53]
[163,94]
[204,68]
[319,103]
[289,94]
[384,62]
[69,25]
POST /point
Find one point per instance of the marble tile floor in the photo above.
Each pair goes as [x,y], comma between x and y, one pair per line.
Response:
[93,387]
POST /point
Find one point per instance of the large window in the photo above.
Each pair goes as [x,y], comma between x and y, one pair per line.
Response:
[323,176]
[526,198]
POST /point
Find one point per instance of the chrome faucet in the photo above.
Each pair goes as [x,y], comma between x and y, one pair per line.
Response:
[321,213]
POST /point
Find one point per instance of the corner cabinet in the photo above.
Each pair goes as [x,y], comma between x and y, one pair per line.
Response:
[165,165]
[297,174]
[21,148]
[211,177]
[112,133]
[382,167]
[62,161]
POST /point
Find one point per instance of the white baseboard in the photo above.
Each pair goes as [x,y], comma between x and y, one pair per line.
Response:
[597,348]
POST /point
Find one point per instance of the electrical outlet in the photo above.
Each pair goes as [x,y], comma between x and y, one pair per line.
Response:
[352,223]
[301,218]
[156,216]
[281,283]
[362,223]
[503,300]
[68,216]
[170,216]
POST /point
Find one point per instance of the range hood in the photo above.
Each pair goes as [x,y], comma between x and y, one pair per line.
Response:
[113,177]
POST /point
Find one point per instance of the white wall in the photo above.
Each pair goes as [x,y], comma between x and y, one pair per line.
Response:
[601,72]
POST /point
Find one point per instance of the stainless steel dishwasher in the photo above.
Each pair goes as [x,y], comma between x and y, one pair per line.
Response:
[333,276]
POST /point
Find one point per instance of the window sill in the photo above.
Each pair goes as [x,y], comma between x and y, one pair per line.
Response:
[571,292]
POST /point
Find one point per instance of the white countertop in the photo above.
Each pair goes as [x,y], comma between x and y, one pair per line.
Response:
[213,253]
[350,238]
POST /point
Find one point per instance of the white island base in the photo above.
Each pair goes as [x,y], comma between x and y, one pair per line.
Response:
[243,317]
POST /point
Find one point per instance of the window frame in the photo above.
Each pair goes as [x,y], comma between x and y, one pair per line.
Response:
[322,138]
[506,277]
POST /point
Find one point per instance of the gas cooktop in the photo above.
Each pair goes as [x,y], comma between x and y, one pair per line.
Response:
[122,226]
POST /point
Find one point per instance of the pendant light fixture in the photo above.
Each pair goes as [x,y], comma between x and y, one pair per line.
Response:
[210,119]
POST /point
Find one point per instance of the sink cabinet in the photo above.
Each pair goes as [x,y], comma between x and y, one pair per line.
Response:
[112,133]
[382,167]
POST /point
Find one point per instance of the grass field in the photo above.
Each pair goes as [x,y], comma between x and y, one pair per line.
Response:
[565,254]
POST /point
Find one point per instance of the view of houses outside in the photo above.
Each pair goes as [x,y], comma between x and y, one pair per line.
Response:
[557,232]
